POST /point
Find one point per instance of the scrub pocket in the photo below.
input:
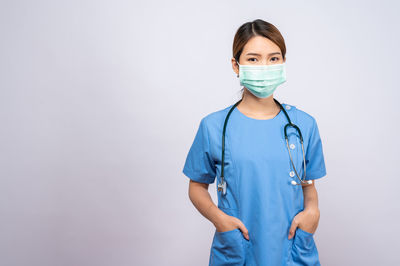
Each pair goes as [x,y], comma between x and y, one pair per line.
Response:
[304,251]
[228,248]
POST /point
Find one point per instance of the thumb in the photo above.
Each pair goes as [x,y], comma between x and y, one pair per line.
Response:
[293,227]
[244,230]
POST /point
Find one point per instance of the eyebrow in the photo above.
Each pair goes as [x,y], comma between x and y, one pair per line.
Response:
[260,55]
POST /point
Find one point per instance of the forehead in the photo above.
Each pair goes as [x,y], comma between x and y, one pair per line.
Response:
[260,45]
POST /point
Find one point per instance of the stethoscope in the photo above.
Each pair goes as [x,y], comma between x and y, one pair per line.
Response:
[222,184]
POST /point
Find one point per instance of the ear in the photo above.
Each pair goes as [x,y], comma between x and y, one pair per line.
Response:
[235,66]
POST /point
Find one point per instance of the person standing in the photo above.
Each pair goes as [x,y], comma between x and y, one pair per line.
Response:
[267,211]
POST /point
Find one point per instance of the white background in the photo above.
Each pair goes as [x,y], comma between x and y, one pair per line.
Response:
[100,102]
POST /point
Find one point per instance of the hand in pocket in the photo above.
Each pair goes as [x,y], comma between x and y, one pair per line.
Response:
[229,223]
[306,220]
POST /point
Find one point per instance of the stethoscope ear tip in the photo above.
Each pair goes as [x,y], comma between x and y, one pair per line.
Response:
[295,183]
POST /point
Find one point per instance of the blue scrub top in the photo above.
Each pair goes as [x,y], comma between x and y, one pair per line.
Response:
[258,172]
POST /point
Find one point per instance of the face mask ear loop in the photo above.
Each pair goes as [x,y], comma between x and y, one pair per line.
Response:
[238,65]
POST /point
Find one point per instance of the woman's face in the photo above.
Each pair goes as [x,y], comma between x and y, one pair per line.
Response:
[259,51]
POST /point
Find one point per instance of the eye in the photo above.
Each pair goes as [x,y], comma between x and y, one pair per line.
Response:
[277,58]
[251,58]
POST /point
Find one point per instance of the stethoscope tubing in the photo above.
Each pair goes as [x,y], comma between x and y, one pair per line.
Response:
[222,184]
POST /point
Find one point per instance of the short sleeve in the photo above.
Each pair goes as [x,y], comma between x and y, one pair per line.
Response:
[199,165]
[315,163]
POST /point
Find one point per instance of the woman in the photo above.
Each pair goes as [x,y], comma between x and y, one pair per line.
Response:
[265,215]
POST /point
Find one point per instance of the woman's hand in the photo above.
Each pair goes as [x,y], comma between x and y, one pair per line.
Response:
[227,223]
[307,220]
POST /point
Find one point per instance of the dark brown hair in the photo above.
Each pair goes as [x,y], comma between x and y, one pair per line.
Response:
[257,27]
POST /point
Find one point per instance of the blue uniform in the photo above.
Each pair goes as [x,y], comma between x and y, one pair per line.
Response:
[258,173]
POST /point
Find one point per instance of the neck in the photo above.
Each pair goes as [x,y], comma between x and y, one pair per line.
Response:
[251,104]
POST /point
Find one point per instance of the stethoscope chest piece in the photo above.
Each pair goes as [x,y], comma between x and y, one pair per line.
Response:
[222,187]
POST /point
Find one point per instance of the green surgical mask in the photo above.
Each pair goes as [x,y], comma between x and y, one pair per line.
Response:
[262,80]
